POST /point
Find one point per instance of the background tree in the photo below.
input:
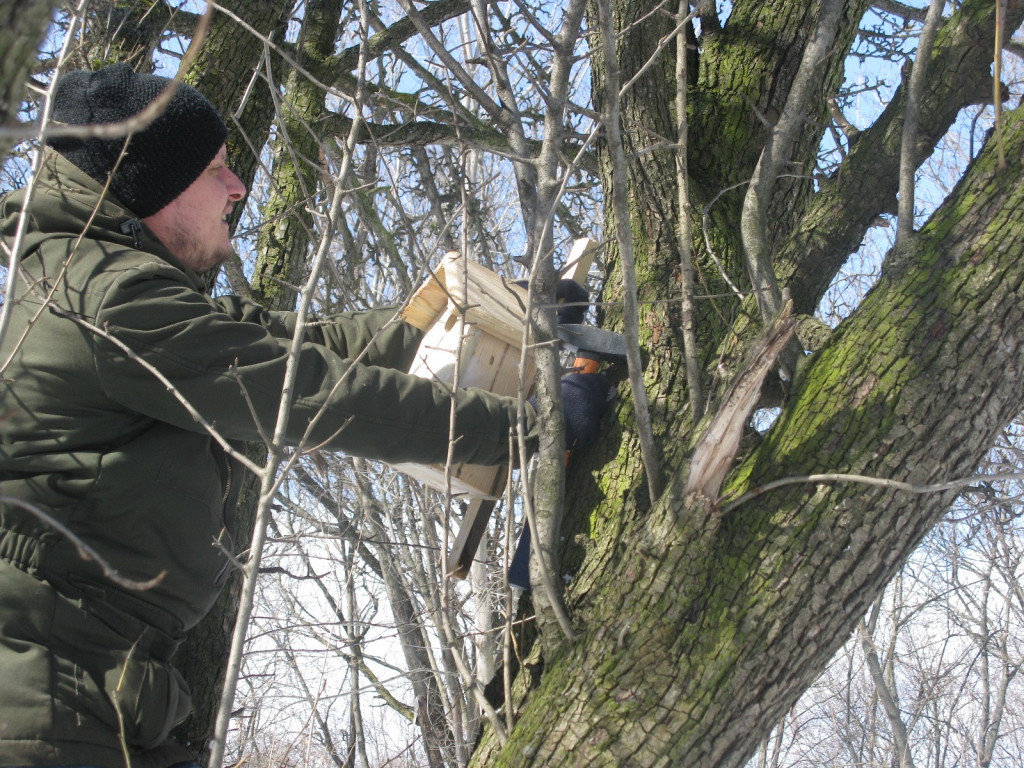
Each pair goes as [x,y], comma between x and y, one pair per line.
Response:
[705,590]
[929,677]
[23,26]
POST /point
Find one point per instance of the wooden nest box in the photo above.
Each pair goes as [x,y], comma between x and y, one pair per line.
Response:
[474,322]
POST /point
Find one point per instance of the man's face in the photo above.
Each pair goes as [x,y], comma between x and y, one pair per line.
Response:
[194,225]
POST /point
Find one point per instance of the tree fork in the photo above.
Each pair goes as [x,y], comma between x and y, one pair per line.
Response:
[692,649]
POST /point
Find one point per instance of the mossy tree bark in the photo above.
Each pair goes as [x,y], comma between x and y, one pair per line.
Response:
[297,159]
[700,622]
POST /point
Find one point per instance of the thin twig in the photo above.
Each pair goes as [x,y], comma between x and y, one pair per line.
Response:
[707,228]
[452,67]
[121,731]
[904,758]
[682,19]
[506,591]
[898,485]
[693,383]
[474,686]
[192,411]
[997,86]
[14,260]
[283,53]
[134,124]
[84,550]
[624,237]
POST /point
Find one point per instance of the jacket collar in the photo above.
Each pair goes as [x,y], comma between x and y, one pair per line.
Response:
[68,201]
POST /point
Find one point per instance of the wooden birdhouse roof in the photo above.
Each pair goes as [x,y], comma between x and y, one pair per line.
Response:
[489,301]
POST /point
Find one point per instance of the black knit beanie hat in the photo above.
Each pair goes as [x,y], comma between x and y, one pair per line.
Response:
[162,160]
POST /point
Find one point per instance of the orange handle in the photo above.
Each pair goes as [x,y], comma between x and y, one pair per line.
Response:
[585,365]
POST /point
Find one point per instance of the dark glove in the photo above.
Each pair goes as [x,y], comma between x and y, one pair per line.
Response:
[568,292]
[571,293]
[584,401]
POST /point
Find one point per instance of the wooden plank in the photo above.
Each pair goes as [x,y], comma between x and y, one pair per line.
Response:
[580,260]
[426,304]
[467,480]
[492,303]
[474,524]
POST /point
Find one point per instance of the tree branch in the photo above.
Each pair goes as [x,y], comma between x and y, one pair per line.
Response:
[882,482]
[754,227]
[911,116]
[865,185]
[392,37]
[85,551]
[693,372]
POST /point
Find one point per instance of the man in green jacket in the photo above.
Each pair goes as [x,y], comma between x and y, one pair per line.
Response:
[124,389]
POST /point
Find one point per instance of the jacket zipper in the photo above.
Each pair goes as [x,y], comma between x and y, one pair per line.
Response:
[133,227]
[228,477]
[227,540]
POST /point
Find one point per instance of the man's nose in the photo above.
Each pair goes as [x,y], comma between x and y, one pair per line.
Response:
[236,189]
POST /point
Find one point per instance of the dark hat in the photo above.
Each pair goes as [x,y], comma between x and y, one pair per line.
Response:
[162,160]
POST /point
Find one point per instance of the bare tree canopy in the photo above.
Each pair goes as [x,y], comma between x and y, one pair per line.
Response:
[786,432]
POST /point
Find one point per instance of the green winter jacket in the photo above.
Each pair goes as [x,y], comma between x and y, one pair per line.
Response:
[93,438]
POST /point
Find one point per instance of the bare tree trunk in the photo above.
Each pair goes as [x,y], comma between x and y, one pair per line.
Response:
[223,71]
[22,25]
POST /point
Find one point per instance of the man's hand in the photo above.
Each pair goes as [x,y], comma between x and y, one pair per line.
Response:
[572,300]
[584,401]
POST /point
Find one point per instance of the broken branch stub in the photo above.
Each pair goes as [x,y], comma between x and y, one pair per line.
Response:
[717,449]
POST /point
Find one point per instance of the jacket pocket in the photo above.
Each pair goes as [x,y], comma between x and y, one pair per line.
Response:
[107,685]
[149,696]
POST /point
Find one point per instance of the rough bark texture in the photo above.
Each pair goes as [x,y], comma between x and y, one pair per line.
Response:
[700,624]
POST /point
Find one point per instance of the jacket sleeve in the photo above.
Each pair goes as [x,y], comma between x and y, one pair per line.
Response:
[232,372]
[369,335]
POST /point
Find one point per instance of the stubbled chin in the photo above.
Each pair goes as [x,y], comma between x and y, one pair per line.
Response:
[224,254]
[210,260]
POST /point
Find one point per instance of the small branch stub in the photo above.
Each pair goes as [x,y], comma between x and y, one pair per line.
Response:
[718,447]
